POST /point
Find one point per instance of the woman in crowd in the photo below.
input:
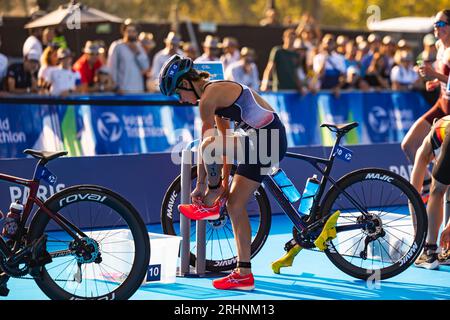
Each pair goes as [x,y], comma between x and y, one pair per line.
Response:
[49,61]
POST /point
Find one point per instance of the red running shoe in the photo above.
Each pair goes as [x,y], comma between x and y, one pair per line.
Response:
[425,198]
[234,281]
[202,212]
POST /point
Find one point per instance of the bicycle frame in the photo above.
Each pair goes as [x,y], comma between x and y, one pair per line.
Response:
[32,199]
[287,206]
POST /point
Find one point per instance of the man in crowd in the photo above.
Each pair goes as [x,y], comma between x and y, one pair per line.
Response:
[341,42]
[148,43]
[282,66]
[128,61]
[374,41]
[244,70]
[103,81]
[388,50]
[211,49]
[190,51]
[47,37]
[328,65]
[230,54]
[172,42]
[353,80]
[403,75]
[22,77]
[87,65]
[33,42]
[3,66]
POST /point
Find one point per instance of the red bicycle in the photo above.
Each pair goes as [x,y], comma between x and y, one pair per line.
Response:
[84,242]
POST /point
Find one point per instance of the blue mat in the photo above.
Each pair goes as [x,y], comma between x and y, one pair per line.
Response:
[311,277]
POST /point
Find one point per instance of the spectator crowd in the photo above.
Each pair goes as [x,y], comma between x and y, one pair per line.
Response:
[306,61]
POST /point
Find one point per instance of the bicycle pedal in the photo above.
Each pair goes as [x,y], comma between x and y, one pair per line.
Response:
[328,232]
[286,260]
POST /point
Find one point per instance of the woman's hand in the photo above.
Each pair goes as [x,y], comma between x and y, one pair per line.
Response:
[199,193]
[445,238]
[427,72]
[431,85]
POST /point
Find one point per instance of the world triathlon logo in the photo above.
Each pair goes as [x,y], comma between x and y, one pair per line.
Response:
[379,120]
[109,127]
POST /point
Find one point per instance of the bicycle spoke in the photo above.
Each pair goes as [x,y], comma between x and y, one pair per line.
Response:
[120,259]
[399,230]
[220,247]
[392,260]
[63,263]
[228,240]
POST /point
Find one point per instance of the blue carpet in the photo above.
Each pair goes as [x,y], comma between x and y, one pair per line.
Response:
[311,277]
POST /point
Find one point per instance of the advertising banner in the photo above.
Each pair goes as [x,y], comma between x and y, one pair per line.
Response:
[117,128]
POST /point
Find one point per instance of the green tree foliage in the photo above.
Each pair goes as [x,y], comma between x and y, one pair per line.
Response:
[353,14]
[342,13]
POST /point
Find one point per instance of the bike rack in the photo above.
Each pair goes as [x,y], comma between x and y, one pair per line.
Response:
[185,223]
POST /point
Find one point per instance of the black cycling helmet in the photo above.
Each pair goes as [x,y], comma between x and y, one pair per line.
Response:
[172,72]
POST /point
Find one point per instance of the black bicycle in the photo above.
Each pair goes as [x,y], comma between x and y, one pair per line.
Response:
[380,229]
[84,242]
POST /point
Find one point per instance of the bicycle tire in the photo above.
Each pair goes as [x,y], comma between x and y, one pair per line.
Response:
[403,261]
[169,208]
[125,211]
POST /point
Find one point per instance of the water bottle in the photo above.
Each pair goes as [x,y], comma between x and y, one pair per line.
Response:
[286,186]
[311,188]
[12,220]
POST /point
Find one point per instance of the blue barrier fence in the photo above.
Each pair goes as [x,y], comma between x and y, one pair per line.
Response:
[144,179]
[127,124]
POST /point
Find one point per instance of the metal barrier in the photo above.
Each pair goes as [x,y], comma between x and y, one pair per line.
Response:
[185,223]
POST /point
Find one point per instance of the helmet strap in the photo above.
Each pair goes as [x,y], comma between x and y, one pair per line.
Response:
[193,89]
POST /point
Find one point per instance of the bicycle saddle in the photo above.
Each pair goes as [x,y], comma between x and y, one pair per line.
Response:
[46,155]
[340,128]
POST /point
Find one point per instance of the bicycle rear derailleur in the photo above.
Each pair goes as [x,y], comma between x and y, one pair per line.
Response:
[373,230]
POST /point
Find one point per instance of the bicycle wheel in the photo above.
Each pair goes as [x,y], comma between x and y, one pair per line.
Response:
[221,254]
[397,224]
[118,248]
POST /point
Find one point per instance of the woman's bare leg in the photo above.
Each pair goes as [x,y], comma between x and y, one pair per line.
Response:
[414,138]
[241,190]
